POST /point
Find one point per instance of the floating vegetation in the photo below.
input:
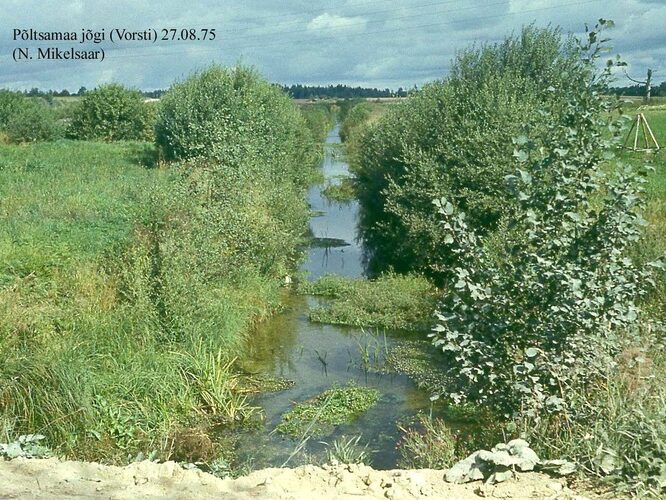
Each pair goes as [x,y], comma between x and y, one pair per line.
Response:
[319,416]
[391,301]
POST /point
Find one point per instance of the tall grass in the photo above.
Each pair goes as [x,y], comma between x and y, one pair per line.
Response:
[125,295]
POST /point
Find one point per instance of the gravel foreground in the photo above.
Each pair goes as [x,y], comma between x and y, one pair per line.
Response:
[56,479]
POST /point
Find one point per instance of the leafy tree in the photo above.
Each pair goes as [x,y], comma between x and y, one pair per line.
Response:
[534,312]
[112,113]
[454,139]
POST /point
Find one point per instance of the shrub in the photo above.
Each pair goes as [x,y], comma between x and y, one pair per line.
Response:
[9,103]
[249,157]
[26,120]
[230,115]
[536,311]
[454,139]
[112,113]
[319,119]
[32,121]
[354,118]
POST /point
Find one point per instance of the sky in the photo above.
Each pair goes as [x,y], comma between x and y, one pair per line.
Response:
[384,44]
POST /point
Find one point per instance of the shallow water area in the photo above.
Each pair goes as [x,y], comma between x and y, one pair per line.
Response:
[317,356]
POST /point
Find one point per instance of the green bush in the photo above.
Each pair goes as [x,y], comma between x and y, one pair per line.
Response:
[27,120]
[354,118]
[319,119]
[112,113]
[9,103]
[32,121]
[250,158]
[454,139]
[537,310]
[230,115]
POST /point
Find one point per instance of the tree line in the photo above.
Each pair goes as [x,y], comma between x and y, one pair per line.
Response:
[296,91]
[638,90]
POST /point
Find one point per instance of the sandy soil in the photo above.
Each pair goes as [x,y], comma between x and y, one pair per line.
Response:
[55,479]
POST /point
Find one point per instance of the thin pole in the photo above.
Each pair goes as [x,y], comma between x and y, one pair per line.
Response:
[638,126]
[633,124]
[643,122]
[654,139]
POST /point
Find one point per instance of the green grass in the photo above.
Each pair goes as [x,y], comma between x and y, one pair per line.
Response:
[429,444]
[631,102]
[619,429]
[654,243]
[319,416]
[121,306]
[68,200]
[392,301]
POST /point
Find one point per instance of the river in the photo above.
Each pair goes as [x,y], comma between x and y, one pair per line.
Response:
[316,356]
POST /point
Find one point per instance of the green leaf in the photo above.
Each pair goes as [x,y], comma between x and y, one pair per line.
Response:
[521,156]
[521,140]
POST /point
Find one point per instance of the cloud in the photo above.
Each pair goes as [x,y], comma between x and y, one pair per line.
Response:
[328,21]
[360,42]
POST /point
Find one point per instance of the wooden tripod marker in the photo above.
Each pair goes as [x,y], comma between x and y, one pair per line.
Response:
[641,123]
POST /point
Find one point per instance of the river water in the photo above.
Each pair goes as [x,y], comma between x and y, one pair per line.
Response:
[316,356]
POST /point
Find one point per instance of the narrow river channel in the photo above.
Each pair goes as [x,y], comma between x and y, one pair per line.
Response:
[316,357]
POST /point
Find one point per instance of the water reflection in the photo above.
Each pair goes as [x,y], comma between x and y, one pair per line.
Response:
[336,221]
[317,356]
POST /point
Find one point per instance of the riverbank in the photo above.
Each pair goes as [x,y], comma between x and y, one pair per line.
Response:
[54,479]
[128,285]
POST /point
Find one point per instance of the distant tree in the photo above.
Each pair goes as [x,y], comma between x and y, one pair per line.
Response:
[82,91]
[638,90]
[338,91]
[112,113]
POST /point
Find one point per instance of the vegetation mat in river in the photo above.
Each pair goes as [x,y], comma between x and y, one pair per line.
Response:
[391,301]
[319,415]
[340,191]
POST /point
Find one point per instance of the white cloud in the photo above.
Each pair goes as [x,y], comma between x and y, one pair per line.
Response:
[327,22]
[361,42]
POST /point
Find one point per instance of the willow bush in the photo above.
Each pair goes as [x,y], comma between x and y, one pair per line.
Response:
[231,116]
[454,139]
[25,119]
[249,156]
[112,113]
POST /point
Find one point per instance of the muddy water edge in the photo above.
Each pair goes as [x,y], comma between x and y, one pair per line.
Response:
[315,357]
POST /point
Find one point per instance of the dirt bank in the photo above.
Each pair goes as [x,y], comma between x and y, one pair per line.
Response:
[55,479]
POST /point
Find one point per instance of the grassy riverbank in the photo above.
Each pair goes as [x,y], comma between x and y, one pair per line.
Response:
[108,344]
[127,287]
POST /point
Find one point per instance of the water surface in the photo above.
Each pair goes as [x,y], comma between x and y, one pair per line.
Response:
[316,357]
